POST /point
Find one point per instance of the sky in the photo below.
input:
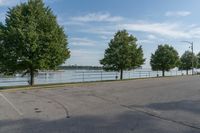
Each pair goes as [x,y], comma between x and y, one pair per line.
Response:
[91,24]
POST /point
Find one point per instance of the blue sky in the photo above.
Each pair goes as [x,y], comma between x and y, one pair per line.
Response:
[90,24]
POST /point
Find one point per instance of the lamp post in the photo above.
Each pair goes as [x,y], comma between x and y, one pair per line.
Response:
[192,48]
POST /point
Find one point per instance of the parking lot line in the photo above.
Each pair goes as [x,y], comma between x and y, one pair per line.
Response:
[11,104]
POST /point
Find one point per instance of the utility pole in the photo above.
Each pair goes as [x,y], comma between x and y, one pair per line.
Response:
[192,48]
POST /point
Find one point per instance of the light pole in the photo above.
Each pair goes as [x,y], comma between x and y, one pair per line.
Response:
[192,48]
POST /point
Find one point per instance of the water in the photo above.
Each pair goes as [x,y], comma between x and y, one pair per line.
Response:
[68,76]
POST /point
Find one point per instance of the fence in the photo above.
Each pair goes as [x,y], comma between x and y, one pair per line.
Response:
[101,76]
[83,76]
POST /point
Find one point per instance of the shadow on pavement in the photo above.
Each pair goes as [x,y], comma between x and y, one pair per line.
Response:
[128,122]
[184,105]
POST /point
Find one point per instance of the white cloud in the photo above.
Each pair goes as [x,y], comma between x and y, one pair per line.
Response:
[145,41]
[104,37]
[167,30]
[15,2]
[106,30]
[177,13]
[97,17]
[195,32]
[82,52]
[10,2]
[82,42]
[70,23]
[51,1]
[151,37]
[155,30]
[164,29]
[85,57]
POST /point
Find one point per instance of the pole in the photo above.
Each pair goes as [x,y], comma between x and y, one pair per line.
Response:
[192,47]
[101,75]
[83,77]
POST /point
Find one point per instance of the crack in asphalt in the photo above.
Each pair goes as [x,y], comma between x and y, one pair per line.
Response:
[148,113]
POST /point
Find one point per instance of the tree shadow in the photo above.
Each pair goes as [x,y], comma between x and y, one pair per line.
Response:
[127,122]
[184,105]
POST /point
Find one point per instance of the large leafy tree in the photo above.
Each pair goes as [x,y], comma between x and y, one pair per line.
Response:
[187,61]
[164,59]
[31,40]
[123,53]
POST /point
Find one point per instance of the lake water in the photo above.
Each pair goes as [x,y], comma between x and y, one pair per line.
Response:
[67,76]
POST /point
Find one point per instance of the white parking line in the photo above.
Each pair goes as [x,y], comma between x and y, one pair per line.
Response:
[11,104]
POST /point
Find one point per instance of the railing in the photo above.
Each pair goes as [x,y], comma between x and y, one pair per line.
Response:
[100,76]
[83,76]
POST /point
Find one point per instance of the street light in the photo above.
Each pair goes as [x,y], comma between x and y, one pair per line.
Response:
[192,48]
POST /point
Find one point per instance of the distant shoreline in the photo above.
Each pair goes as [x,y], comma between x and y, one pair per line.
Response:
[80,68]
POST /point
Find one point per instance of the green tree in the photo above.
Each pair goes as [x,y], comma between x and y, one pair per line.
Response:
[198,58]
[122,54]
[31,40]
[164,59]
[187,61]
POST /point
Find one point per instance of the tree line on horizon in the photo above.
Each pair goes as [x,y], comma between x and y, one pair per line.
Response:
[76,67]
[31,40]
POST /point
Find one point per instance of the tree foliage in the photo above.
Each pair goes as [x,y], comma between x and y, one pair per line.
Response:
[198,58]
[123,53]
[187,61]
[31,40]
[164,58]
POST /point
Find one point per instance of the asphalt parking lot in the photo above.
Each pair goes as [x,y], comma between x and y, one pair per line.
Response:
[163,105]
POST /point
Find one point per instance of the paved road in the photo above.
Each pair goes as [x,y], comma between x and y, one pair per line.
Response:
[165,105]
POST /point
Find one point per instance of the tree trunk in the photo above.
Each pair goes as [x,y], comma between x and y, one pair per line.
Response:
[187,72]
[31,77]
[121,74]
[163,73]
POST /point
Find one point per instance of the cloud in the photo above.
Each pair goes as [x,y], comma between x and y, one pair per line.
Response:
[104,37]
[70,23]
[97,17]
[82,42]
[172,30]
[177,14]
[84,57]
[82,52]
[195,32]
[145,41]
[8,2]
[151,37]
[100,31]
[155,30]
[15,2]
[51,1]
